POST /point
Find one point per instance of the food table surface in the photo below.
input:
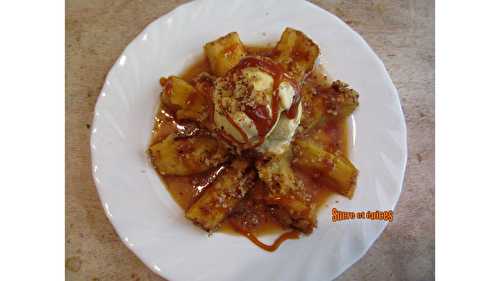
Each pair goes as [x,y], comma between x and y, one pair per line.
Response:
[401,32]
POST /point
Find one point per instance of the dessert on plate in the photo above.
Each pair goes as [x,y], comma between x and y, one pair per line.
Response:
[254,139]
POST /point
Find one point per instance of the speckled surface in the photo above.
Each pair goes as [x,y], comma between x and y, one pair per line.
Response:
[401,33]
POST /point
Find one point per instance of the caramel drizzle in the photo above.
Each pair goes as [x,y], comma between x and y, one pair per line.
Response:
[270,248]
[294,108]
[260,116]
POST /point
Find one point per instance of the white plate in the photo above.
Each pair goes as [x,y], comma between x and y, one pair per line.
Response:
[144,214]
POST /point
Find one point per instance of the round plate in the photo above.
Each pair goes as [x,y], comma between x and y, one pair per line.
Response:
[144,214]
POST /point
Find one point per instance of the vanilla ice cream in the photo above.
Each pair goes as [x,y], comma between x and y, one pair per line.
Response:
[244,100]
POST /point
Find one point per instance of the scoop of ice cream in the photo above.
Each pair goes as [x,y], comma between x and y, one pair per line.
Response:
[282,134]
[252,106]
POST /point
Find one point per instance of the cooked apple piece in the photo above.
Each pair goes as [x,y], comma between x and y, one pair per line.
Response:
[323,136]
[224,53]
[346,98]
[313,109]
[289,202]
[187,156]
[334,167]
[326,103]
[338,101]
[251,212]
[218,199]
[296,52]
[183,99]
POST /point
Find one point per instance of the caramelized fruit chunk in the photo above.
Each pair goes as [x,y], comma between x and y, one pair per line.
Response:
[218,199]
[327,103]
[313,109]
[289,202]
[224,53]
[187,156]
[188,103]
[296,52]
[183,99]
[252,211]
[333,167]
[340,99]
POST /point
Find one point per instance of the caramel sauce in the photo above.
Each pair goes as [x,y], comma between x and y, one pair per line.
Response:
[201,65]
[186,189]
[293,234]
[263,122]
[259,115]
[278,74]
[294,108]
